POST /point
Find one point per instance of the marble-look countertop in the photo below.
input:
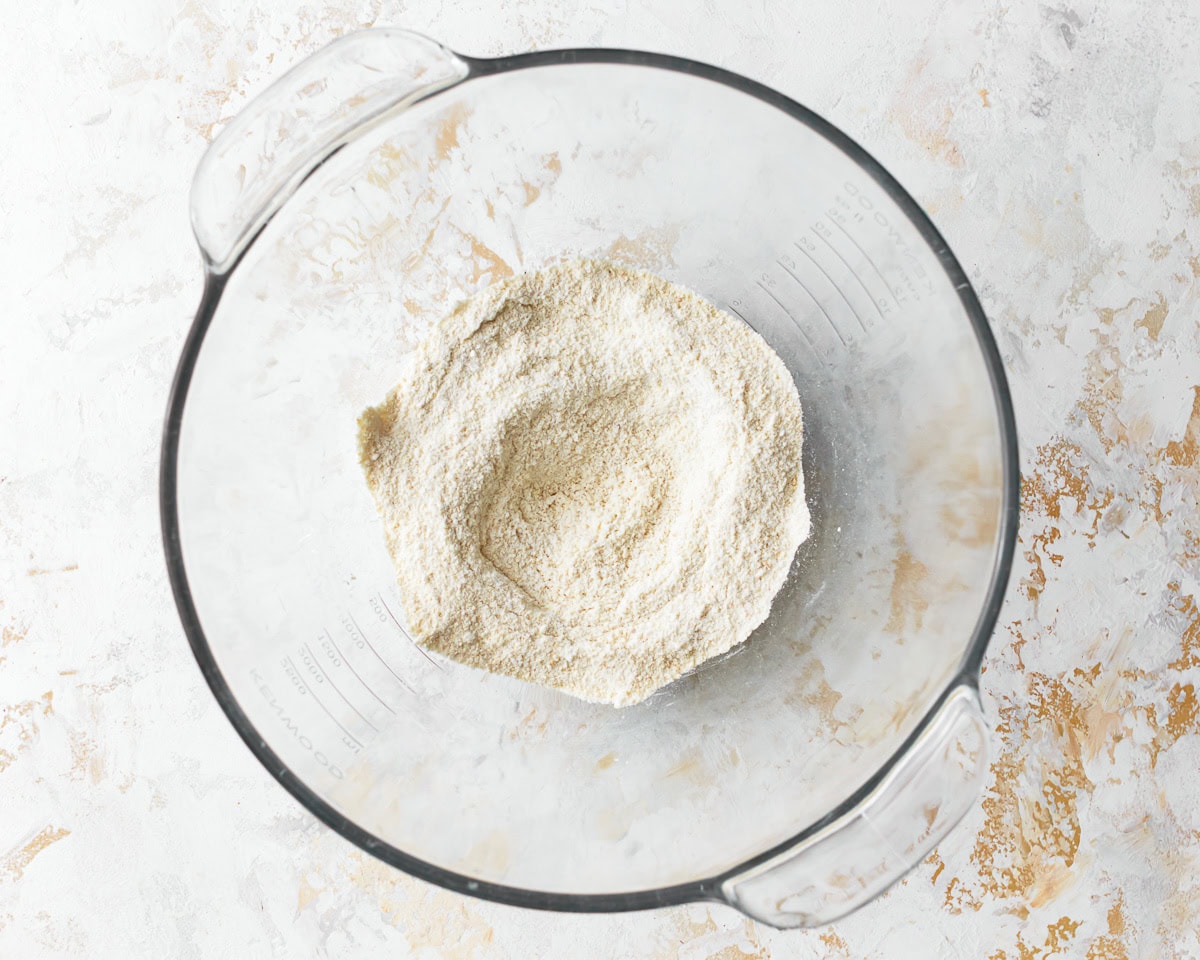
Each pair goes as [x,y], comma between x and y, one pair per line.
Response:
[1057,145]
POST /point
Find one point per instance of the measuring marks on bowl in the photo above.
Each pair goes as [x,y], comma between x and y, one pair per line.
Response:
[829,289]
[335,690]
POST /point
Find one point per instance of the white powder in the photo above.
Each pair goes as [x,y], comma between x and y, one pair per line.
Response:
[590,479]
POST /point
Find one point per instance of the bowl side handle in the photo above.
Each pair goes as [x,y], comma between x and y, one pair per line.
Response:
[869,848]
[265,153]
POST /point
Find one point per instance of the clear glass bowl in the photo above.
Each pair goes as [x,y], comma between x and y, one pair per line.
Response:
[347,209]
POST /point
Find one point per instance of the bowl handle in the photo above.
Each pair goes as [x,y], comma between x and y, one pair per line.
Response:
[863,852]
[264,153]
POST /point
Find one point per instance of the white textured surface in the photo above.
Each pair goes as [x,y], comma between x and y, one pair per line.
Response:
[1059,150]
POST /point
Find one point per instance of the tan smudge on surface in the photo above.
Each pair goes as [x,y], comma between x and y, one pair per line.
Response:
[1106,948]
[490,856]
[1051,885]
[1153,319]
[834,941]
[445,923]
[1104,396]
[1184,451]
[305,894]
[1018,642]
[1059,474]
[967,485]
[431,918]
[931,129]
[606,761]
[1189,638]
[690,929]
[971,518]
[691,768]
[42,571]
[86,761]
[1106,714]
[1059,934]
[531,727]
[734,952]
[938,865]
[486,262]
[20,722]
[449,126]
[531,188]
[930,813]
[92,236]
[1183,718]
[651,249]
[614,822]
[1183,710]
[682,931]
[703,939]
[908,596]
[1176,913]
[921,110]
[812,689]
[1111,945]
[213,101]
[1058,937]
[15,864]
[1116,919]
[389,163]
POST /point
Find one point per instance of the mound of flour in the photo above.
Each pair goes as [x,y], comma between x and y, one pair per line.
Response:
[589,479]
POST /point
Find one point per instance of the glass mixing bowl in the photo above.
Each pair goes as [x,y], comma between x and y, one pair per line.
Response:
[346,210]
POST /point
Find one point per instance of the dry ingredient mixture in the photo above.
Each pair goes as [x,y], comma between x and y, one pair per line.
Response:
[589,479]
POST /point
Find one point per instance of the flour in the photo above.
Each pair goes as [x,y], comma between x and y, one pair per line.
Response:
[590,479]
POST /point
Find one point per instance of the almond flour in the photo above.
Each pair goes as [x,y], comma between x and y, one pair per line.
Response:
[590,479]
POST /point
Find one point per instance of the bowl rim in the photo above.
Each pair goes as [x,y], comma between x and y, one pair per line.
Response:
[709,888]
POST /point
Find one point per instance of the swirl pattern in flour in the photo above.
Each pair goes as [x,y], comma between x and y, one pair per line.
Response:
[589,479]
